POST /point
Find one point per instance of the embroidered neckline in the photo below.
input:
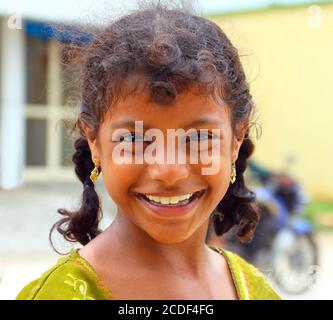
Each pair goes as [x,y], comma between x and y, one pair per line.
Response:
[75,256]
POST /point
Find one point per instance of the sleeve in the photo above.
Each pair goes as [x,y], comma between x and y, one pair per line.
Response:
[63,282]
[258,286]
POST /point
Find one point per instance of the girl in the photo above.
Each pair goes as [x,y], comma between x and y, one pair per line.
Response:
[169,69]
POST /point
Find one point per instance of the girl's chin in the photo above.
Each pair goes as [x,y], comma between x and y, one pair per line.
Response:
[165,238]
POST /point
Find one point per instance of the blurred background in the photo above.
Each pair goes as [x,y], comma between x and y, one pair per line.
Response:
[286,47]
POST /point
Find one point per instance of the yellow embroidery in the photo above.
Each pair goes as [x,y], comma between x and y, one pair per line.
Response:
[76,258]
[79,286]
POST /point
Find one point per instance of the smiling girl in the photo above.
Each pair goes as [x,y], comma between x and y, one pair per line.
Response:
[169,69]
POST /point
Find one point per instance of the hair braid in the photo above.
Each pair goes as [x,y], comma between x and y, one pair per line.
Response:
[81,225]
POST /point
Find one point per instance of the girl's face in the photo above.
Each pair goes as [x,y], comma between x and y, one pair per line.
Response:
[128,183]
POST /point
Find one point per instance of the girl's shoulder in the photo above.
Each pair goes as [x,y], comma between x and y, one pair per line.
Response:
[250,282]
[71,278]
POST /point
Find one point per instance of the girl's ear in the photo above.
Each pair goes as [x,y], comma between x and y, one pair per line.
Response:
[237,142]
[92,141]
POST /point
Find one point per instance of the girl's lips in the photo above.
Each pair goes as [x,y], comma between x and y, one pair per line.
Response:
[168,211]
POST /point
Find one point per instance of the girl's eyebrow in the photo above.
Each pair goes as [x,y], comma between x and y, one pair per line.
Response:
[125,124]
[202,121]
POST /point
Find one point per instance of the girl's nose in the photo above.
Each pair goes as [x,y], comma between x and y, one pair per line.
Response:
[169,174]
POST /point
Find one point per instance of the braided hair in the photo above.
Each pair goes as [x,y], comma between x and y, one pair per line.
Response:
[174,49]
[81,225]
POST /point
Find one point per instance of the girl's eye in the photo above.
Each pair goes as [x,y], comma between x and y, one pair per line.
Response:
[129,138]
[199,136]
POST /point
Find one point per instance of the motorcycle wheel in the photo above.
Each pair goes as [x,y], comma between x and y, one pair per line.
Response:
[295,260]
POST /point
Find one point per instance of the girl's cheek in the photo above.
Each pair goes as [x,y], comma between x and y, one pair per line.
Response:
[118,179]
[217,172]
[213,162]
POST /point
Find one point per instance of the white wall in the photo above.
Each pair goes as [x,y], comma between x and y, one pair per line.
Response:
[12,119]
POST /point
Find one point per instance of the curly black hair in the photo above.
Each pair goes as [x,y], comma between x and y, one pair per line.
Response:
[174,49]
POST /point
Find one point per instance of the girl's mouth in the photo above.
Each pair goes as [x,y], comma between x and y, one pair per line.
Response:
[170,206]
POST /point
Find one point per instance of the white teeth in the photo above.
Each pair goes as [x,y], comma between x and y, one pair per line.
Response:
[169,200]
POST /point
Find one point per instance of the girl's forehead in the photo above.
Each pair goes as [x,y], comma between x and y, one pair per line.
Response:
[188,106]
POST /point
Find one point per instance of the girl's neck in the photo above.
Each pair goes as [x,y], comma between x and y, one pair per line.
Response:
[124,240]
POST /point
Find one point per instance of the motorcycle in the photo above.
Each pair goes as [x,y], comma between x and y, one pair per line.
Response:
[283,246]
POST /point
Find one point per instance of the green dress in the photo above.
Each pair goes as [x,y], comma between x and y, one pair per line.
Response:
[73,278]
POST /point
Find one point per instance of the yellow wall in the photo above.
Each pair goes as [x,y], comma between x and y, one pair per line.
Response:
[290,67]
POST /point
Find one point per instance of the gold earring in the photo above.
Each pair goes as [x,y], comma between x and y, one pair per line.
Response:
[94,174]
[233,173]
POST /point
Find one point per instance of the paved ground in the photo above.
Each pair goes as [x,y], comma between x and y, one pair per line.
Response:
[27,214]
